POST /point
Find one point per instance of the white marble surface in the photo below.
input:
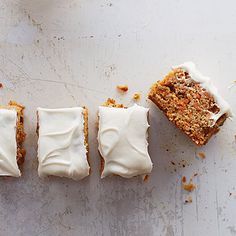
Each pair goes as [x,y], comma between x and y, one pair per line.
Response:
[62,53]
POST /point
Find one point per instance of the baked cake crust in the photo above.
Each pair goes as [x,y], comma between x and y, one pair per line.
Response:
[86,144]
[112,103]
[188,105]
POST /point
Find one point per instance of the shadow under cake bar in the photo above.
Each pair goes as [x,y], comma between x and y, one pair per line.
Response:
[191,102]
[63,142]
[12,136]
[122,139]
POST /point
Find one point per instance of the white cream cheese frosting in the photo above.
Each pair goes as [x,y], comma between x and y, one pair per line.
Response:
[61,148]
[8,145]
[122,139]
[207,84]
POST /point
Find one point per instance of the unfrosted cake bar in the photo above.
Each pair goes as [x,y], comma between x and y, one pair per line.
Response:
[191,102]
[63,142]
[12,136]
[122,139]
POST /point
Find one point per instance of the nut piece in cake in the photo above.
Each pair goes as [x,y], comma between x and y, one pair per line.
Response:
[63,142]
[122,139]
[191,102]
[12,136]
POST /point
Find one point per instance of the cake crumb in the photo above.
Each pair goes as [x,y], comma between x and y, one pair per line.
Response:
[201,155]
[122,88]
[1,85]
[137,96]
[183,163]
[172,163]
[146,178]
[188,186]
[188,200]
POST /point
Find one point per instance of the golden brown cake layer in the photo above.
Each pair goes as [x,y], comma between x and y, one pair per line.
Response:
[188,105]
[86,133]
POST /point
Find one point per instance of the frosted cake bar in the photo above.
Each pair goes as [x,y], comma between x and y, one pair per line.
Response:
[12,136]
[191,102]
[122,139]
[63,142]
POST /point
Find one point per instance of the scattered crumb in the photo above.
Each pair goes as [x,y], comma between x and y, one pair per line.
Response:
[178,165]
[122,88]
[235,137]
[137,96]
[201,155]
[189,200]
[196,174]
[1,86]
[183,163]
[183,179]
[146,177]
[172,163]
[230,194]
[189,186]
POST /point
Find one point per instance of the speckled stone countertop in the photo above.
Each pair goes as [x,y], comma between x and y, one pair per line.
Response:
[57,53]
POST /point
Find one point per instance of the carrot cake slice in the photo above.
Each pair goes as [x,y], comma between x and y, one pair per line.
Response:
[12,136]
[191,102]
[122,139]
[63,142]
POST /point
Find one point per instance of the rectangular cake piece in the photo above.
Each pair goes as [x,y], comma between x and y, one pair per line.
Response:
[63,142]
[12,137]
[191,102]
[122,139]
